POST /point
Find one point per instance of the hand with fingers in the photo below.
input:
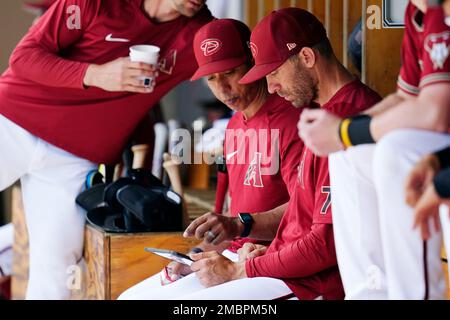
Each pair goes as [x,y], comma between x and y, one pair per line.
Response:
[121,75]
[422,196]
[251,250]
[427,210]
[212,268]
[179,268]
[420,178]
[174,271]
[319,130]
[214,228]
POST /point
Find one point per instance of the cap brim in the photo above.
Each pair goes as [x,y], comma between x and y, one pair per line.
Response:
[258,72]
[218,66]
[106,219]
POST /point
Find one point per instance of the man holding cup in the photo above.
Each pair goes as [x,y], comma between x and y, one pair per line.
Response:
[147,54]
[70,100]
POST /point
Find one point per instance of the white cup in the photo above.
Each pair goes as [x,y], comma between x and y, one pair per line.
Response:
[147,54]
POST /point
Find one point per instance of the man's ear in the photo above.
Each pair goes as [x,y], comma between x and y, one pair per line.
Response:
[308,57]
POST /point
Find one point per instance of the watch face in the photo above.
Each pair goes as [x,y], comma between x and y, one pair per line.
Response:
[245,217]
[247,220]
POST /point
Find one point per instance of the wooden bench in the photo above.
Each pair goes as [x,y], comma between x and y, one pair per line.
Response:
[445,265]
[114,262]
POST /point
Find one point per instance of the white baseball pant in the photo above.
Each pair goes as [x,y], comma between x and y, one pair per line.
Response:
[51,179]
[190,288]
[379,255]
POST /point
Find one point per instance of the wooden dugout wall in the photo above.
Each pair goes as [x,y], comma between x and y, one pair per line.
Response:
[381,47]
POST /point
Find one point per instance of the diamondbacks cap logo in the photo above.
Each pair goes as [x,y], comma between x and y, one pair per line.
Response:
[210,46]
[291,46]
[438,49]
[253,175]
[254,48]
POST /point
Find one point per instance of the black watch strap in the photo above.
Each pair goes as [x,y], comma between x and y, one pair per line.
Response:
[221,164]
[247,220]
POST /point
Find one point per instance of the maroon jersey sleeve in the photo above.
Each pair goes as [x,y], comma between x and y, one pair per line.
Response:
[305,257]
[436,48]
[39,55]
[311,253]
[409,77]
[225,152]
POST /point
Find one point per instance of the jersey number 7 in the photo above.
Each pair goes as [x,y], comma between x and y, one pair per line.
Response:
[326,205]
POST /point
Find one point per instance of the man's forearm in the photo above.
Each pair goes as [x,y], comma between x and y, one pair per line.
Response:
[427,112]
[313,253]
[32,62]
[89,76]
[265,224]
[387,103]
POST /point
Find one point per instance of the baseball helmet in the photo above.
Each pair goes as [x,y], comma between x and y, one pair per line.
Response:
[137,203]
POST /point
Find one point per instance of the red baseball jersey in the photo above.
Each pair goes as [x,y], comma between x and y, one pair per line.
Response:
[303,252]
[43,90]
[261,155]
[424,50]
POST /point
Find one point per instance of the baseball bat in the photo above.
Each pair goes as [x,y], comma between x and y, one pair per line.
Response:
[173,125]
[140,152]
[173,171]
[118,171]
[160,147]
